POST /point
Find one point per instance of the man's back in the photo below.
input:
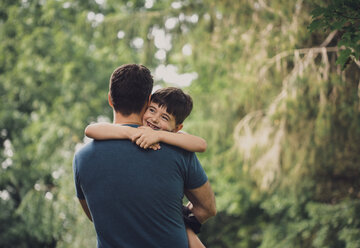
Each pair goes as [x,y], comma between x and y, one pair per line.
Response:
[135,195]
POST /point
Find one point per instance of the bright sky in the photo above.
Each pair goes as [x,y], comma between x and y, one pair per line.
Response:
[169,74]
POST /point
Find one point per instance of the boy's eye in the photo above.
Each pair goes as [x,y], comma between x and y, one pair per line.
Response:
[151,110]
[165,118]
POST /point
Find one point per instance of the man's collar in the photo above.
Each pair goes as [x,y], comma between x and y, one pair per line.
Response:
[130,125]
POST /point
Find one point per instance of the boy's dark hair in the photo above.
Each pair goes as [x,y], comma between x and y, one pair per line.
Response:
[176,102]
[130,88]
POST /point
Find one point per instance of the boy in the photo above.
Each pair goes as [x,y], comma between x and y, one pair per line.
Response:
[162,120]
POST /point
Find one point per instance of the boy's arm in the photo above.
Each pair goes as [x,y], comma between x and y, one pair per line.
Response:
[103,131]
[185,141]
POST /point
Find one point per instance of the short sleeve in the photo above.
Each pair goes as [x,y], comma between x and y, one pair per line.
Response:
[195,176]
[79,192]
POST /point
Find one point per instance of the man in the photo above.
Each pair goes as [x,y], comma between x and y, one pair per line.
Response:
[134,196]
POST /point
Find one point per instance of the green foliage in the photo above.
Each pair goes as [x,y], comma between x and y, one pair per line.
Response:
[343,16]
[282,124]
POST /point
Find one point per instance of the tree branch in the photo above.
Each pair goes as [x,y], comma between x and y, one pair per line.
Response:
[348,17]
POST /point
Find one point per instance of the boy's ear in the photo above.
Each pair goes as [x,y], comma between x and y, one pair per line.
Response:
[109,100]
[178,128]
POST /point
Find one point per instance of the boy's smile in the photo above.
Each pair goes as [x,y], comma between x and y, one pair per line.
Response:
[158,118]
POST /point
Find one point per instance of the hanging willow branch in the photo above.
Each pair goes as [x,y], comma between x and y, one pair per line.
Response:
[258,132]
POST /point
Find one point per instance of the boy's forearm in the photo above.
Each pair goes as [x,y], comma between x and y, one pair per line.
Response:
[186,141]
[103,131]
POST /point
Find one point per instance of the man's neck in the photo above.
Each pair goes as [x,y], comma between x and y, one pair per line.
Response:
[135,119]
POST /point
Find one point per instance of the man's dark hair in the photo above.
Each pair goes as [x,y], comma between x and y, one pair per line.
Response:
[175,101]
[130,88]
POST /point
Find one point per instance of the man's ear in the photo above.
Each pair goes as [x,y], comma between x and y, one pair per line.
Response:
[178,128]
[146,105]
[110,101]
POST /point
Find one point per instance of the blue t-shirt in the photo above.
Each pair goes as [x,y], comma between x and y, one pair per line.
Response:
[135,195]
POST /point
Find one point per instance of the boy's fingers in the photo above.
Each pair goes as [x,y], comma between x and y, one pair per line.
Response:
[139,141]
[135,137]
[143,143]
[155,147]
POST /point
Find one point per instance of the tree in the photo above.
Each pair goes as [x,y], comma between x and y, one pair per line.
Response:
[342,16]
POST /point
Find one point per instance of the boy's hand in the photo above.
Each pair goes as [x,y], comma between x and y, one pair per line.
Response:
[155,146]
[190,206]
[146,138]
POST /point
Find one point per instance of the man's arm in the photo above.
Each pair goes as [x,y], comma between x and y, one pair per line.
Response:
[79,192]
[85,208]
[203,200]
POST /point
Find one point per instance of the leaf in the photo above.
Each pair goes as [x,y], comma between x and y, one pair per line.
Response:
[343,58]
[339,24]
[317,12]
[316,24]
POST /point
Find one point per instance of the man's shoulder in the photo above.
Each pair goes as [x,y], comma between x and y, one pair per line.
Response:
[96,150]
[174,150]
[98,144]
[82,151]
[95,145]
[171,148]
[83,148]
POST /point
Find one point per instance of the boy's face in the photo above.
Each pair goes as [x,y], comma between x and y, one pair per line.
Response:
[157,118]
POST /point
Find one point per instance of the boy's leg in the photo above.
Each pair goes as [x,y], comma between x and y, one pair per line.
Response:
[194,241]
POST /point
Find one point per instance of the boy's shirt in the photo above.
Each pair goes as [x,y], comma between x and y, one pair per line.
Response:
[135,195]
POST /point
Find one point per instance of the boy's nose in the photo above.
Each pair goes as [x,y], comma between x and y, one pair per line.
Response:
[154,119]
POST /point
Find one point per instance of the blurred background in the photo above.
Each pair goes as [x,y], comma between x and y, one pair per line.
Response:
[276,99]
